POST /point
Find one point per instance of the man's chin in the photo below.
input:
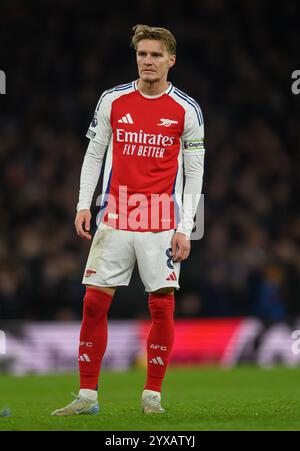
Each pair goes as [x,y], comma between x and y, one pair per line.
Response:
[149,78]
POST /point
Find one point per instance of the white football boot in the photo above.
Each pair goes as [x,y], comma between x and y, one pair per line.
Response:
[151,402]
[80,406]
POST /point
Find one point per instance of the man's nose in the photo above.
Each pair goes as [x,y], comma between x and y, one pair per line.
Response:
[148,59]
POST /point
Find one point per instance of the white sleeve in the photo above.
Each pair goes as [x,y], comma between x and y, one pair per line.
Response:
[100,128]
[193,160]
[90,173]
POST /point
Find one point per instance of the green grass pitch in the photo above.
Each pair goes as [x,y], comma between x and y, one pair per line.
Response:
[196,399]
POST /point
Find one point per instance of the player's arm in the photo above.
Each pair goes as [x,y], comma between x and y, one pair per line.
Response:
[99,133]
[193,159]
[90,172]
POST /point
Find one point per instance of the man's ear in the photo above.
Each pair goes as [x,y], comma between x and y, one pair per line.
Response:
[172,61]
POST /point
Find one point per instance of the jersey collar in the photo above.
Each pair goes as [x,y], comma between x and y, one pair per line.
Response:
[167,91]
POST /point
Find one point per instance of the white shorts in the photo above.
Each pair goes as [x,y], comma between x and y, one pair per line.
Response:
[114,252]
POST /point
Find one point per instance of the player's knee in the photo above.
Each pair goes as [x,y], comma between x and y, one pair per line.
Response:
[163,291]
[161,304]
[108,290]
[96,303]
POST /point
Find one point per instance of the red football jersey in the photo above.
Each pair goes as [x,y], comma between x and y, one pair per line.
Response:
[146,138]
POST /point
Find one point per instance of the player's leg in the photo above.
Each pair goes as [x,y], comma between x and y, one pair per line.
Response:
[93,337]
[159,346]
[160,276]
[161,336]
[110,264]
[92,346]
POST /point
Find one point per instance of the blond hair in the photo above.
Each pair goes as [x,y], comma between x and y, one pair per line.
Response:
[161,34]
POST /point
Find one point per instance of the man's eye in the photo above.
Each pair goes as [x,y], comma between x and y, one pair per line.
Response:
[155,55]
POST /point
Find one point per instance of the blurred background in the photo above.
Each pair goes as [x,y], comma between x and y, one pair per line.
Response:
[236,59]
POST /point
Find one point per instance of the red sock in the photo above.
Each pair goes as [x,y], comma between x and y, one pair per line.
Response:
[93,336]
[160,339]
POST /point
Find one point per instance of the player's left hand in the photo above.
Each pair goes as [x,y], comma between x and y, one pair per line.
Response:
[181,247]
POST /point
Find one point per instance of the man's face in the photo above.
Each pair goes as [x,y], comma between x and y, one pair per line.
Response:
[153,60]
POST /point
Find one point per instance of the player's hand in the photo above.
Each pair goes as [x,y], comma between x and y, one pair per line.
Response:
[181,247]
[83,224]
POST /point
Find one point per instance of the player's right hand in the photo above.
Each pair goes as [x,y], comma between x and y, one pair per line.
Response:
[83,224]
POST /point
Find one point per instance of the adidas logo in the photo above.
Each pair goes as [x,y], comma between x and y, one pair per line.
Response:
[84,358]
[172,276]
[157,361]
[127,119]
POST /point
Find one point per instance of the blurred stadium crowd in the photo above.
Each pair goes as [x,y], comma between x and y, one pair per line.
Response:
[236,59]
